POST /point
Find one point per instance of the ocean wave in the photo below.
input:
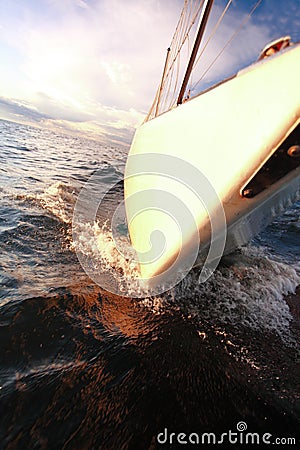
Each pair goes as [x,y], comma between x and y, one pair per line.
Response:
[247,289]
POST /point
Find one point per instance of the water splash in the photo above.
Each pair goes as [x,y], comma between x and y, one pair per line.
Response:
[247,290]
[96,246]
[59,199]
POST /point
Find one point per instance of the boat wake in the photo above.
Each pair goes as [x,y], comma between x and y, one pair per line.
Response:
[58,199]
[247,290]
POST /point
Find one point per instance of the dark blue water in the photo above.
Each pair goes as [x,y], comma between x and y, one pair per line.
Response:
[81,368]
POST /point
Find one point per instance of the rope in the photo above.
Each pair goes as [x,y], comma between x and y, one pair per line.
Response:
[185,32]
[187,19]
[169,84]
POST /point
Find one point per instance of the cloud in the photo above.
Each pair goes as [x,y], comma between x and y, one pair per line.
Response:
[88,60]
[95,65]
[16,110]
[107,124]
[236,44]
[82,4]
[108,52]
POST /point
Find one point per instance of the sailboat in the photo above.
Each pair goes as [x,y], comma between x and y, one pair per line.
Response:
[205,173]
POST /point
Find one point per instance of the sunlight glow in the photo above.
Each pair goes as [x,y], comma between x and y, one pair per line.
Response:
[95,65]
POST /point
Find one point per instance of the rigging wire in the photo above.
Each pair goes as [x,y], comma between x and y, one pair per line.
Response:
[187,19]
[166,94]
[228,42]
[185,31]
[213,31]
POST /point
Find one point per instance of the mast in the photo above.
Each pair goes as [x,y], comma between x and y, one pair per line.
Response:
[162,81]
[201,27]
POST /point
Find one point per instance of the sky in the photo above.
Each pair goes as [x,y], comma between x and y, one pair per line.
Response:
[93,66]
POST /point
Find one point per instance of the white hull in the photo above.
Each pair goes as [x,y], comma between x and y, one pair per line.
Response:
[271,203]
[227,134]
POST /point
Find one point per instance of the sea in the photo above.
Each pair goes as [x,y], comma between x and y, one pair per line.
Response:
[84,367]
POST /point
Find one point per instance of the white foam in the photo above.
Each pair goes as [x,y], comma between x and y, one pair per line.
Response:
[250,292]
[59,199]
[96,244]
